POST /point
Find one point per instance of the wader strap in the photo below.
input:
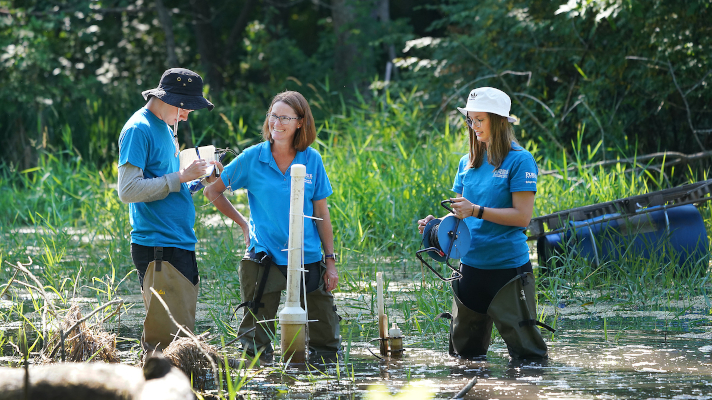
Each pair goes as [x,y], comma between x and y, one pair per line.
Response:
[255,304]
[523,276]
[530,322]
[158,256]
[533,322]
[266,262]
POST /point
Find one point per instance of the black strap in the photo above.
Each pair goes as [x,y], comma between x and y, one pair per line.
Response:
[522,276]
[266,262]
[255,304]
[533,322]
[445,315]
[158,256]
[530,322]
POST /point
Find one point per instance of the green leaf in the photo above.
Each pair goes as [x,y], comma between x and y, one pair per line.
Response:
[580,71]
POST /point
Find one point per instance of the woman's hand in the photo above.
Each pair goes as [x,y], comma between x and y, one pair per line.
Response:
[212,178]
[246,235]
[423,222]
[463,208]
[331,276]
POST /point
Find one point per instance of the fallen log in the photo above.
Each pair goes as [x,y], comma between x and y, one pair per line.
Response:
[84,381]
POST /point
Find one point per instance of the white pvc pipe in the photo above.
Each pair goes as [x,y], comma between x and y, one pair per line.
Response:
[382,318]
[293,318]
[379,293]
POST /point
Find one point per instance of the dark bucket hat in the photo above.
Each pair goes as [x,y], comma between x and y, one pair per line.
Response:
[180,88]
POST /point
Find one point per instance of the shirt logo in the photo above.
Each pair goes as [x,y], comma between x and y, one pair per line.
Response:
[501,173]
[531,177]
[308,178]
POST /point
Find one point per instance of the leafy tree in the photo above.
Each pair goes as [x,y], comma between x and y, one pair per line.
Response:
[631,71]
[74,69]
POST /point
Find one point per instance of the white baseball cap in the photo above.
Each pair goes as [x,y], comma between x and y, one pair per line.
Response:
[488,99]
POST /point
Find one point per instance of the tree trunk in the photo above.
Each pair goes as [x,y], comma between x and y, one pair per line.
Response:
[207,43]
[165,19]
[345,53]
[383,14]
[237,30]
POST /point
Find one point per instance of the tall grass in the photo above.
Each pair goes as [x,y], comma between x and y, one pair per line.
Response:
[388,168]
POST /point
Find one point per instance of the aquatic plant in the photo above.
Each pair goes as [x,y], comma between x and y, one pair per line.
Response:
[67,216]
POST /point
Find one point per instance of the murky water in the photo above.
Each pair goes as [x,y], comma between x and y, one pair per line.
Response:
[597,353]
[632,364]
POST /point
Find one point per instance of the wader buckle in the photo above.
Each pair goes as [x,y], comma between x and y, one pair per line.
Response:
[158,257]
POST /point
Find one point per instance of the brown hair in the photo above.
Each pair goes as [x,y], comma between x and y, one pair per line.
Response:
[306,134]
[501,138]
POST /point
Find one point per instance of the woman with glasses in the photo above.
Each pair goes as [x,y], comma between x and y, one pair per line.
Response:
[264,170]
[494,190]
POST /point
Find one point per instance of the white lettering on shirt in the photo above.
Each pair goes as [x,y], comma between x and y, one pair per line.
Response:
[500,173]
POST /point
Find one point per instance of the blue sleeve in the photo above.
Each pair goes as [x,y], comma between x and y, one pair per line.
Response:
[523,177]
[322,185]
[234,176]
[133,148]
[195,186]
[458,186]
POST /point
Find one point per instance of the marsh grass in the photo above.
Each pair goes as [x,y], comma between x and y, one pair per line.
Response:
[388,168]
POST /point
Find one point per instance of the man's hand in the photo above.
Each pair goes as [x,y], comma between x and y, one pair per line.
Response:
[194,171]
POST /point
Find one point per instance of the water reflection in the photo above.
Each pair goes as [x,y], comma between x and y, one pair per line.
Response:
[639,365]
[631,356]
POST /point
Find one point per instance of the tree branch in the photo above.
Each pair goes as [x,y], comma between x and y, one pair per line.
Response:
[467,85]
[678,158]
[687,106]
[509,89]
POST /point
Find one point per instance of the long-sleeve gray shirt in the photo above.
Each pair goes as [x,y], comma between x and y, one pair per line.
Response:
[134,188]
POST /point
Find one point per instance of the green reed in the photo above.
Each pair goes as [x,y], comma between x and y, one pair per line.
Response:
[389,167]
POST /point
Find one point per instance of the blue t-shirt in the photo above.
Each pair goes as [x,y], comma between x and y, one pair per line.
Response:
[268,192]
[146,142]
[495,246]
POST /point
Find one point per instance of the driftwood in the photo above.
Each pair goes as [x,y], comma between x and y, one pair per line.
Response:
[82,342]
[184,354]
[84,381]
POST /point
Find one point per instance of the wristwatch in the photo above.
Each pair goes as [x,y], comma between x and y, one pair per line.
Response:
[330,256]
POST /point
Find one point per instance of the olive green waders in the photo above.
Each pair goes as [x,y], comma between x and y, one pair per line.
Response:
[323,332]
[470,331]
[513,311]
[178,293]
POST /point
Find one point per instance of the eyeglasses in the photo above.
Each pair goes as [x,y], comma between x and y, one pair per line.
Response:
[477,123]
[284,120]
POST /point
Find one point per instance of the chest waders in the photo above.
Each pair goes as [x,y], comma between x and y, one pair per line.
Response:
[180,295]
[261,287]
[513,312]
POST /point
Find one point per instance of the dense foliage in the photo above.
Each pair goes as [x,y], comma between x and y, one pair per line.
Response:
[632,71]
[635,73]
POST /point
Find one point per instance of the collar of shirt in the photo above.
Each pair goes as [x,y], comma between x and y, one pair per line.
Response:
[267,158]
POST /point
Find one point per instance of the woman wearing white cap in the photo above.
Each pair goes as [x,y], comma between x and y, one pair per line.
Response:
[495,187]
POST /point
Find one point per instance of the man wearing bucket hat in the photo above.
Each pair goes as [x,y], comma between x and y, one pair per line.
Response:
[495,187]
[160,204]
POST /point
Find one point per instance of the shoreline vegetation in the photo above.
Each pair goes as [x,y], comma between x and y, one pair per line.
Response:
[65,215]
[613,100]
